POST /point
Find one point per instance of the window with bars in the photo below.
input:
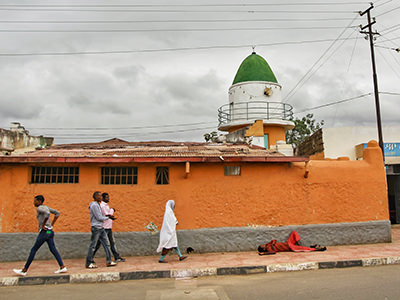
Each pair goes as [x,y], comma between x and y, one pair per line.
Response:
[232,170]
[162,175]
[55,175]
[119,175]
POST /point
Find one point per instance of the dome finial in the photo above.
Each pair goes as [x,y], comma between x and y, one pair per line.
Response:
[254,49]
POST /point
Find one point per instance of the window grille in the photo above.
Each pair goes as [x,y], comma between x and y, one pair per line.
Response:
[232,170]
[55,175]
[162,175]
[119,175]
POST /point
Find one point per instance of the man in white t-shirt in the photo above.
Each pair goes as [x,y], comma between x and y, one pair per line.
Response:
[107,225]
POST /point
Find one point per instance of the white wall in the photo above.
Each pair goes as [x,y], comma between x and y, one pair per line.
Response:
[341,141]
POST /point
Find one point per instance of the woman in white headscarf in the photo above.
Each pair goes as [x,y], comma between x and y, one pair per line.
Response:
[168,239]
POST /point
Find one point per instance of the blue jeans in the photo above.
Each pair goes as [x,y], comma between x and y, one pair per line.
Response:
[112,244]
[48,237]
[98,234]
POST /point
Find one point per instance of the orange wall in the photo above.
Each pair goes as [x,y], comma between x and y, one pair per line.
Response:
[275,133]
[272,194]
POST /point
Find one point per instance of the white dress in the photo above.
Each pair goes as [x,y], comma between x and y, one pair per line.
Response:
[168,237]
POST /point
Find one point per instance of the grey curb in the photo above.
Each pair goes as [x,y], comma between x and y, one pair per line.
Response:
[182,273]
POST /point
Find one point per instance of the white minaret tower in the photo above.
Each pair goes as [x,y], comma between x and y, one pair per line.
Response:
[255,100]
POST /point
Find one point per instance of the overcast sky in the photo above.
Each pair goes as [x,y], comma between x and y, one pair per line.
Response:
[168,63]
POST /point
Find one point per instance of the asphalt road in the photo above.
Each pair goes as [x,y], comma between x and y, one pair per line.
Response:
[381,282]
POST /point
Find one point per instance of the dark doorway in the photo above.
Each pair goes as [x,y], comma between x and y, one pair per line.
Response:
[393,182]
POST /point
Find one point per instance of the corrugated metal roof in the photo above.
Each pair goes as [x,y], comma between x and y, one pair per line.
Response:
[156,150]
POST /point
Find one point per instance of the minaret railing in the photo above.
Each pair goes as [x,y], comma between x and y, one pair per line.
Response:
[254,110]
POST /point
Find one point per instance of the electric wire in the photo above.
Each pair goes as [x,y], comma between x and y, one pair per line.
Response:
[390,31]
[169,21]
[167,30]
[389,11]
[390,48]
[390,93]
[166,49]
[66,135]
[121,128]
[187,5]
[388,28]
[390,65]
[180,11]
[333,103]
[303,78]
[382,3]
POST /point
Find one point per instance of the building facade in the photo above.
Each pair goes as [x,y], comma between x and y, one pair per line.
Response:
[230,196]
[350,142]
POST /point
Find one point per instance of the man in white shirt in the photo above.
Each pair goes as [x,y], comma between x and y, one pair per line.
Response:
[107,225]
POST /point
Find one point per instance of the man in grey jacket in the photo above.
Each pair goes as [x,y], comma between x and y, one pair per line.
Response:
[98,233]
[46,234]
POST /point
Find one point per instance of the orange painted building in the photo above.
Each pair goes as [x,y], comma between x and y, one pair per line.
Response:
[270,190]
[232,195]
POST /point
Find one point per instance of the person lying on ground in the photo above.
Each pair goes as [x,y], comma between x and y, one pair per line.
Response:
[292,244]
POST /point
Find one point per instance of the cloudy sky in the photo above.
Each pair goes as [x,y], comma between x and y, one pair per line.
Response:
[88,70]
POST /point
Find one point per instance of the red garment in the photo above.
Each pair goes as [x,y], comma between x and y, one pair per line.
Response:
[290,245]
[293,239]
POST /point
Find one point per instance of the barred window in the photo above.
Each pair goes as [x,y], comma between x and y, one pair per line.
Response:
[232,170]
[162,175]
[119,175]
[55,175]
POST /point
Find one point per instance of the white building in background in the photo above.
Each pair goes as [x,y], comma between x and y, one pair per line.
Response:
[347,141]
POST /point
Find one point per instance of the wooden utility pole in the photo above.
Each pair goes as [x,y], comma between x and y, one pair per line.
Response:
[370,35]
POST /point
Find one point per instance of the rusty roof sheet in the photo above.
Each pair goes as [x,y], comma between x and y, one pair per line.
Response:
[171,151]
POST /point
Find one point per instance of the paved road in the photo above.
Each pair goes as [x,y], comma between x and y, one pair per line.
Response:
[352,283]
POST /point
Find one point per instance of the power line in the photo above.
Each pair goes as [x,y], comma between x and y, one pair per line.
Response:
[389,11]
[387,40]
[132,134]
[185,5]
[390,93]
[394,26]
[181,11]
[390,65]
[332,103]
[303,78]
[164,30]
[120,128]
[392,30]
[382,3]
[168,21]
[165,49]
[395,49]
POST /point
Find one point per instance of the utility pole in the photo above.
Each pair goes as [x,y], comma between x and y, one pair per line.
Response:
[370,35]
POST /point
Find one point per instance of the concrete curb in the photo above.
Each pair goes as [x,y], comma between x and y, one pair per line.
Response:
[185,273]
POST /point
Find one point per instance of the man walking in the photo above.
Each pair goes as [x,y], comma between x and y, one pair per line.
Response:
[98,233]
[46,234]
[107,225]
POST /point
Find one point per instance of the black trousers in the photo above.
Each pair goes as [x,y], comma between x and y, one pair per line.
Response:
[112,244]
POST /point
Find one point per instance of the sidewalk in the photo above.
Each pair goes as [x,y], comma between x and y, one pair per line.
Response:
[228,263]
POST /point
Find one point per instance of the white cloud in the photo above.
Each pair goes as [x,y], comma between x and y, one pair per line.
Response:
[175,87]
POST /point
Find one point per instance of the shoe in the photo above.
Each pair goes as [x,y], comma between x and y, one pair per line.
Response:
[120,259]
[162,261]
[63,270]
[111,264]
[182,258]
[91,266]
[19,272]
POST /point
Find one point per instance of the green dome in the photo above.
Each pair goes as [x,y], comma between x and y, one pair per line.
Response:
[254,68]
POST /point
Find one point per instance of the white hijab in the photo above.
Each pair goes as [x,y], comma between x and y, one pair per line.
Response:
[168,237]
